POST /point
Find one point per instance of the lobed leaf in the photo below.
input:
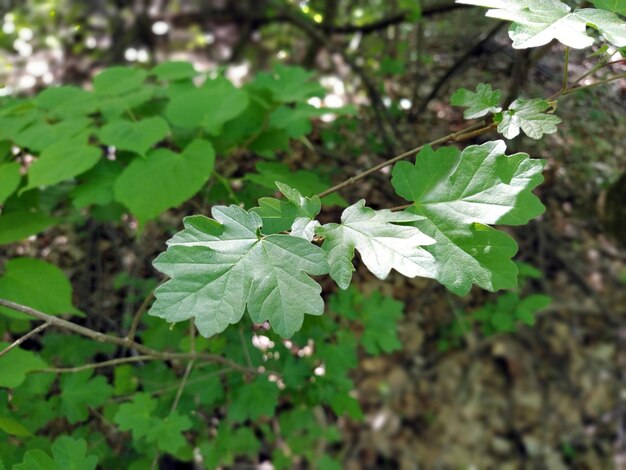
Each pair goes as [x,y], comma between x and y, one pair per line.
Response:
[537,22]
[218,267]
[483,101]
[458,195]
[530,117]
[382,244]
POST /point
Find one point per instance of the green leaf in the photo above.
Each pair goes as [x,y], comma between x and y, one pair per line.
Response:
[10,178]
[295,120]
[137,416]
[382,244]
[164,179]
[280,215]
[96,185]
[137,136]
[72,350]
[13,427]
[616,6]
[67,101]
[530,117]
[79,392]
[71,454]
[167,432]
[36,284]
[253,400]
[459,194]
[480,103]
[216,270]
[289,84]
[60,162]
[67,453]
[40,136]
[530,305]
[16,226]
[118,81]
[174,70]
[537,22]
[307,182]
[16,364]
[208,107]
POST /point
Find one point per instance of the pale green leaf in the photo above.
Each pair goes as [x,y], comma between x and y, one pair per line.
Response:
[10,178]
[537,22]
[15,364]
[164,179]
[208,107]
[530,116]
[80,391]
[137,136]
[382,244]
[36,284]
[459,194]
[483,101]
[216,270]
[62,161]
[16,226]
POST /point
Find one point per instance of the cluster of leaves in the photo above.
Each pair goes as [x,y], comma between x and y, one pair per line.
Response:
[537,22]
[143,142]
[532,116]
[241,260]
[503,315]
[226,416]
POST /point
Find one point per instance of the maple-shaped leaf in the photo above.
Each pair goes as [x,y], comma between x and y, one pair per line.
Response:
[67,454]
[80,392]
[253,400]
[530,116]
[219,266]
[295,213]
[483,101]
[458,195]
[137,416]
[537,22]
[167,433]
[382,244]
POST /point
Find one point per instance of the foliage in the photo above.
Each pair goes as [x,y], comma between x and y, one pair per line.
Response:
[145,141]
[501,315]
[537,22]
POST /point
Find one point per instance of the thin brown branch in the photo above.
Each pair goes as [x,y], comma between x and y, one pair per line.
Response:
[124,342]
[20,340]
[97,365]
[183,382]
[137,318]
[464,134]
